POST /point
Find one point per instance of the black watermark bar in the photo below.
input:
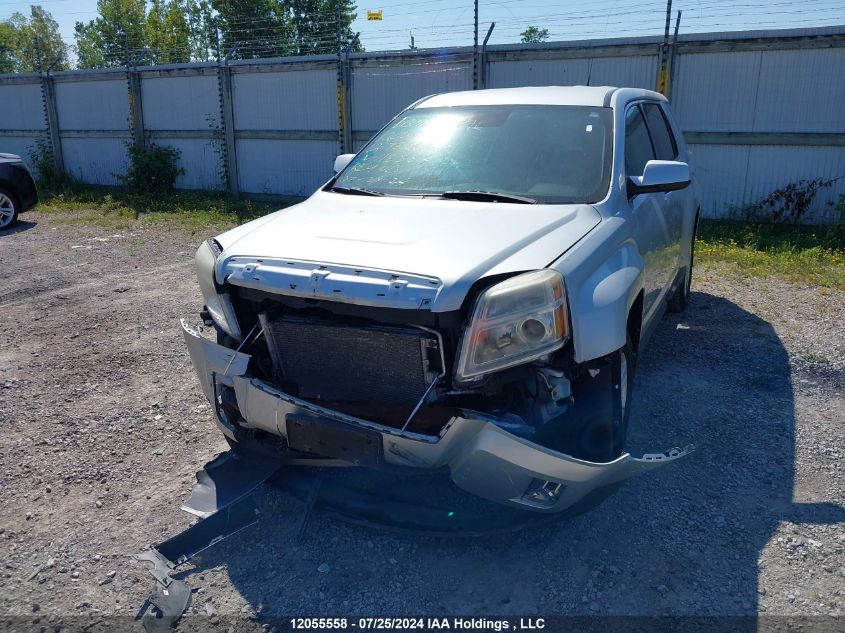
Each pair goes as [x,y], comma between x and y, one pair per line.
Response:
[436,623]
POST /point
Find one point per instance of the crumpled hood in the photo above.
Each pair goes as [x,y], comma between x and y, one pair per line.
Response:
[442,246]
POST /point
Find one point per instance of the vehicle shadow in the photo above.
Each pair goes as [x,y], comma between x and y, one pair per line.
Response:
[684,539]
[20,227]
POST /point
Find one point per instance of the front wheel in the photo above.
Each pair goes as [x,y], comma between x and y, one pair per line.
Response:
[595,427]
[8,210]
[606,441]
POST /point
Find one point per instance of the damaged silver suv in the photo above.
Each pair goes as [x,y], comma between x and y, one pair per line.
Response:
[470,291]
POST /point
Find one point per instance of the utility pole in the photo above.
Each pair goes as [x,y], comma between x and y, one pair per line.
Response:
[475,50]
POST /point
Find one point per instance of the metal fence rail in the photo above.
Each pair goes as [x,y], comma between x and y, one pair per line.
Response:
[759,109]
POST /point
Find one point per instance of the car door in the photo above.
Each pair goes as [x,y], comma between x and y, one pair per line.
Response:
[671,202]
[652,226]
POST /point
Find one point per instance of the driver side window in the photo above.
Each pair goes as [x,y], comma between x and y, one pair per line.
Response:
[638,149]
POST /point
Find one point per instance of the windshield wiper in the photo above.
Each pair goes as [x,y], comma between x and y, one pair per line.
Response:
[487,196]
[357,191]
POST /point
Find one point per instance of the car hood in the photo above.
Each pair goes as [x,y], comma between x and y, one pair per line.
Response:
[398,252]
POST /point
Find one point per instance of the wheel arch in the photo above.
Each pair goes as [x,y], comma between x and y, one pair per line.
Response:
[634,323]
[602,304]
[6,186]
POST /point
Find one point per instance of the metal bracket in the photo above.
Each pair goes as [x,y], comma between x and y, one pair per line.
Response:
[161,566]
[221,496]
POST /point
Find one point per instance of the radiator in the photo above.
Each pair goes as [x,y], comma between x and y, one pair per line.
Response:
[334,362]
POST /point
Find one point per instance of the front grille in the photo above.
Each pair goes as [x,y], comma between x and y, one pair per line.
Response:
[341,363]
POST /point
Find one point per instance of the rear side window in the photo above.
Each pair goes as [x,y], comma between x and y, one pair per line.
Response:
[638,149]
[664,143]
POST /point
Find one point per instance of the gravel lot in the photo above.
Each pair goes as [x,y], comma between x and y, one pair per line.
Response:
[104,425]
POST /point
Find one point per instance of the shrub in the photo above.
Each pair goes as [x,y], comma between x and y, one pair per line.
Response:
[152,169]
[785,205]
[41,159]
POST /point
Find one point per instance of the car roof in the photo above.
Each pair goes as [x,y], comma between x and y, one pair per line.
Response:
[606,96]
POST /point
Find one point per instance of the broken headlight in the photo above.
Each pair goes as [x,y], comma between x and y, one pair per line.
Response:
[514,322]
[217,304]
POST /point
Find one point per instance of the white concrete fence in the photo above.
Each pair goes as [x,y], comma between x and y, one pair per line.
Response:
[759,110]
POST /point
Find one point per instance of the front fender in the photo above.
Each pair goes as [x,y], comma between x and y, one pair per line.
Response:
[600,313]
[604,275]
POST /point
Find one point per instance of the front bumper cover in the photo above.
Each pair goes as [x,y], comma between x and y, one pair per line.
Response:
[482,458]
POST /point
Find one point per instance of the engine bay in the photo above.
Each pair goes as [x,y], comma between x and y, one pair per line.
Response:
[394,367]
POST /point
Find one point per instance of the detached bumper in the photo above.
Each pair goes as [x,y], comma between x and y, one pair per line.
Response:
[482,458]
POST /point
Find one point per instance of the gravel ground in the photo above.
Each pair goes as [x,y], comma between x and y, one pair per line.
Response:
[104,425]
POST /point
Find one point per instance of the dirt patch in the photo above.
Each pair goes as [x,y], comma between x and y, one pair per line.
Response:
[104,425]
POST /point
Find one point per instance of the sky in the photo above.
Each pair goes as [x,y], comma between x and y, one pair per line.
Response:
[438,23]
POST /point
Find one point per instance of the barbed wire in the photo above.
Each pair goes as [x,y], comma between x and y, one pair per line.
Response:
[291,35]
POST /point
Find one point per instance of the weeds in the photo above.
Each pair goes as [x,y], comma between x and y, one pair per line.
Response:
[119,208]
[41,159]
[152,168]
[807,254]
[787,204]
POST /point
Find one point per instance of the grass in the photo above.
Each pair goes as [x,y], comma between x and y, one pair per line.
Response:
[812,255]
[805,254]
[114,208]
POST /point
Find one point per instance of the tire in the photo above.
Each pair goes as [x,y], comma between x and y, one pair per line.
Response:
[679,301]
[9,210]
[595,427]
[606,441]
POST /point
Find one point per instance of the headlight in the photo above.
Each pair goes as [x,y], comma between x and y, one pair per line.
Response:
[516,321]
[218,305]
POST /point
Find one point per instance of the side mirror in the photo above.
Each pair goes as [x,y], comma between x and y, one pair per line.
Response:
[342,161]
[660,175]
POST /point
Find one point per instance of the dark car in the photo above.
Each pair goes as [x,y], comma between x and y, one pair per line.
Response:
[17,190]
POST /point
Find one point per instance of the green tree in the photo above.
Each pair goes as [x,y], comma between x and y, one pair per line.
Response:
[315,25]
[168,33]
[202,30]
[8,47]
[534,35]
[89,46]
[271,28]
[176,31]
[116,37]
[258,28]
[31,44]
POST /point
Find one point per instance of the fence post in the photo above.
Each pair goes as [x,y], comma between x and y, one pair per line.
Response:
[475,49]
[136,107]
[48,93]
[670,73]
[344,115]
[228,115]
[662,81]
[345,104]
[483,61]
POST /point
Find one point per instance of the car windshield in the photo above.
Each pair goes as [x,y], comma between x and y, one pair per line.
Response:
[540,153]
